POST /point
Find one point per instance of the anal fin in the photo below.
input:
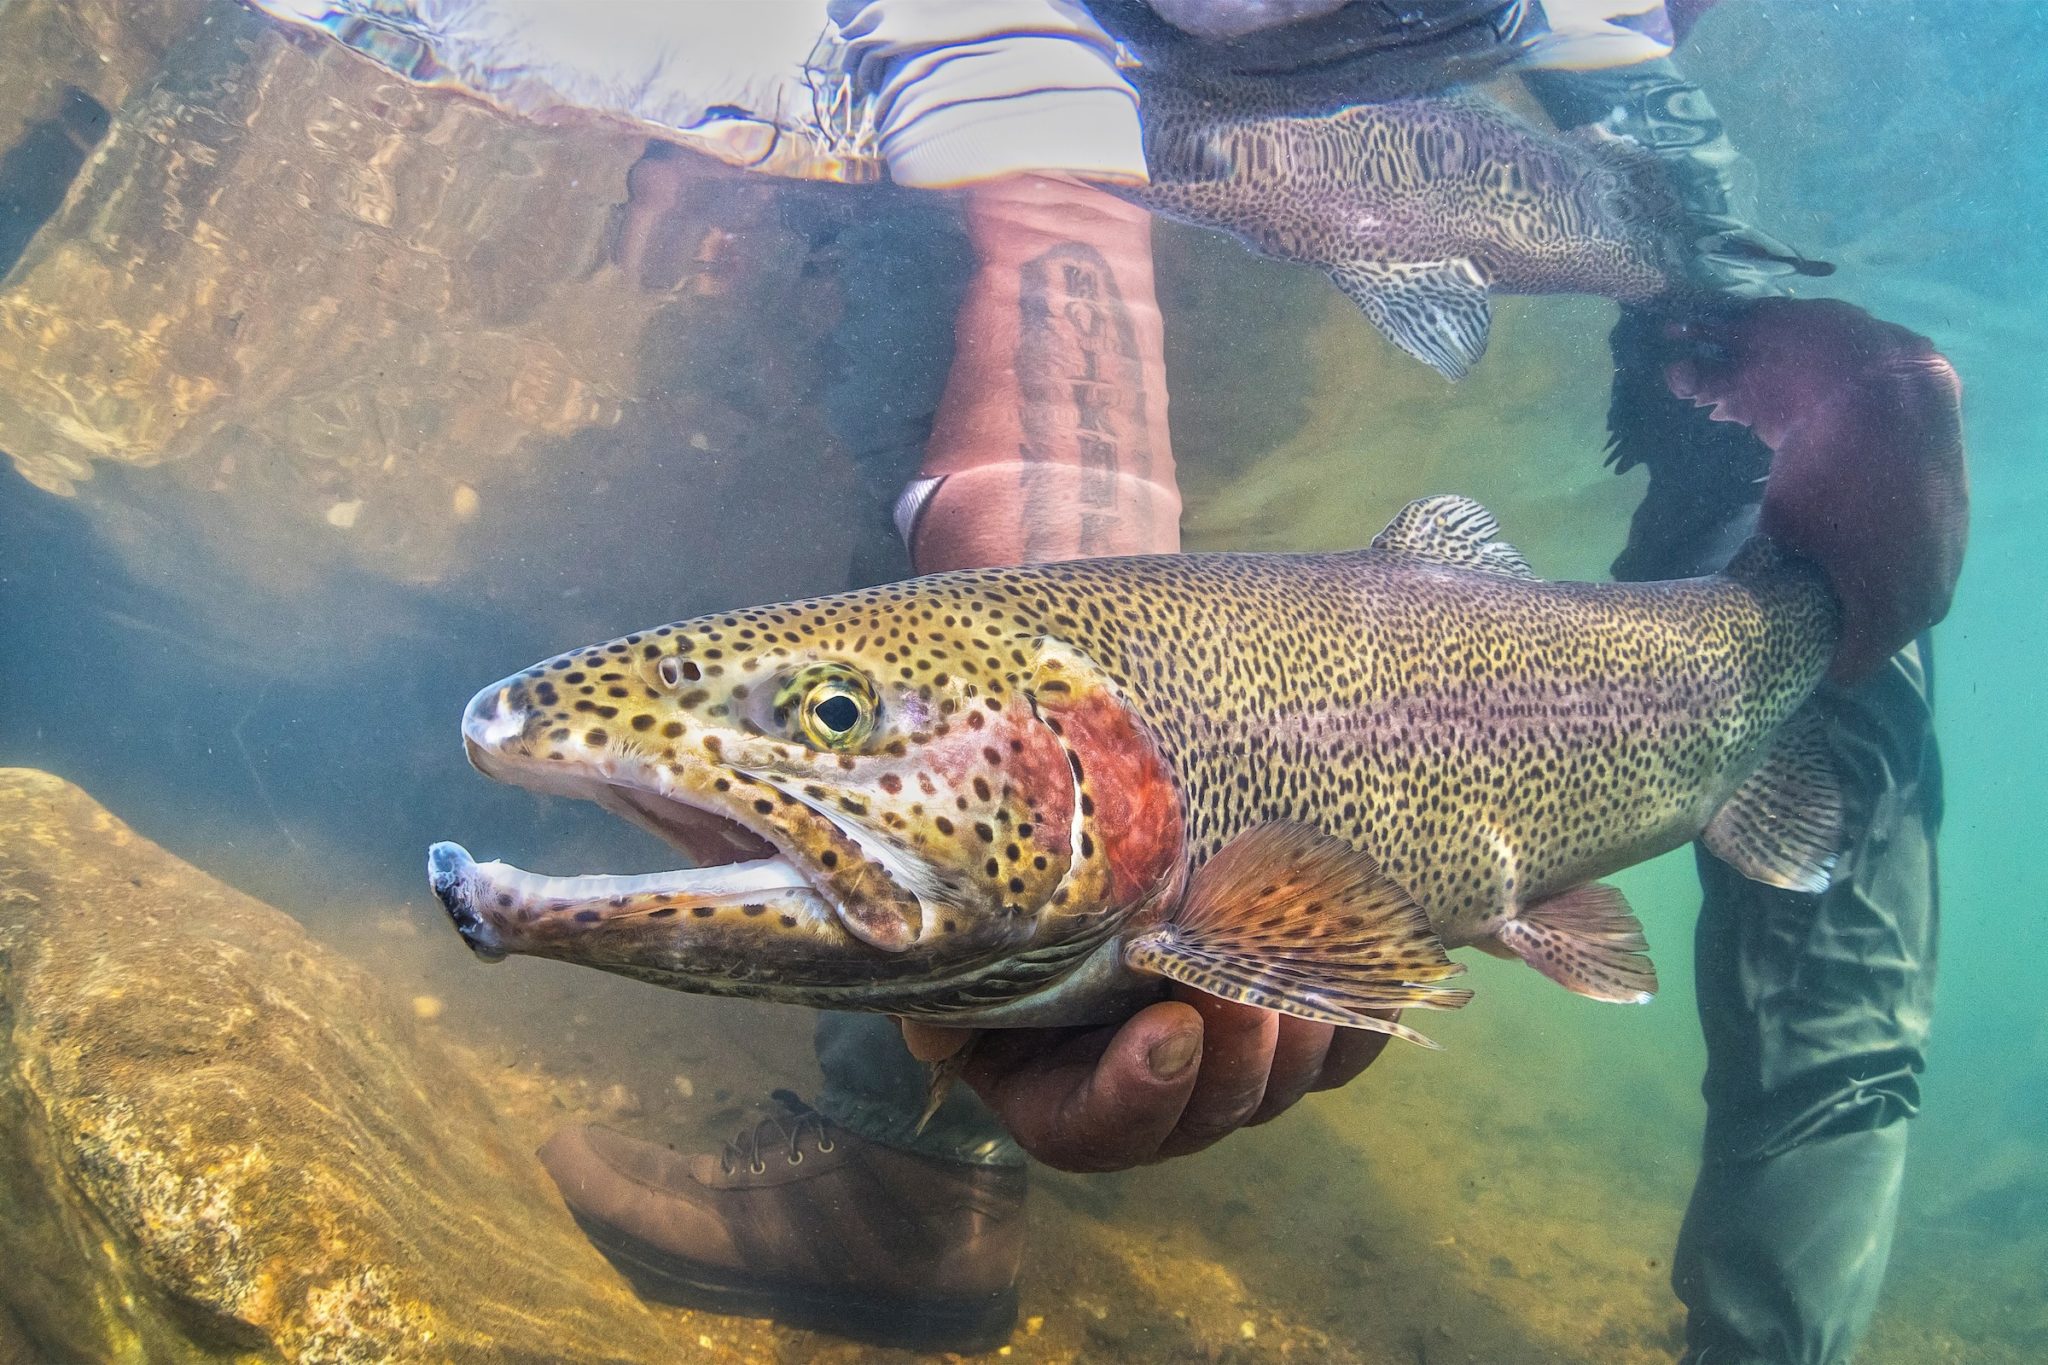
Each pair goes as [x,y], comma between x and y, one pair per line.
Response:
[1436,311]
[1290,919]
[1783,826]
[1586,940]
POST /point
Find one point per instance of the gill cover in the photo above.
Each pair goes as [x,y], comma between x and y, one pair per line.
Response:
[1130,826]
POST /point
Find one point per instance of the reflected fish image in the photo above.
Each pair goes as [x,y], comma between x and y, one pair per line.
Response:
[1023,796]
[1420,207]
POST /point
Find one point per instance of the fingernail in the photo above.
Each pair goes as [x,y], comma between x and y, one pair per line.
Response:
[1171,1056]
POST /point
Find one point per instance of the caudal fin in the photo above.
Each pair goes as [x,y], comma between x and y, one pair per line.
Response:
[1868,478]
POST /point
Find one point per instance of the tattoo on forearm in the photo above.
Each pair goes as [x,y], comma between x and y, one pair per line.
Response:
[1082,382]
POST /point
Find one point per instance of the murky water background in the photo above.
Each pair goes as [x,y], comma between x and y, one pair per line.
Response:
[329,399]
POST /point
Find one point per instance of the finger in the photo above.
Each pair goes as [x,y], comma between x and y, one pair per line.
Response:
[1683,378]
[1297,1065]
[1352,1050]
[933,1042]
[1237,1055]
[1083,1109]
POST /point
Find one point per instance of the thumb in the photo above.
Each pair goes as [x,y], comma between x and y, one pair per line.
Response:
[932,1042]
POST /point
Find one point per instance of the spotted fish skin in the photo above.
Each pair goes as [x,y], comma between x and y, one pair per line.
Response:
[1416,207]
[1044,757]
[1489,740]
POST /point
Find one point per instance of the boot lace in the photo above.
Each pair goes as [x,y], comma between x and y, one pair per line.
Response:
[786,1128]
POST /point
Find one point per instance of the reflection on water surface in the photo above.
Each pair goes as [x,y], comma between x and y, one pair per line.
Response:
[328,398]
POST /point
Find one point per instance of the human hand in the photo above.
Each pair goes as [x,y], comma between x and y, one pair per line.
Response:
[1172,1079]
[1868,476]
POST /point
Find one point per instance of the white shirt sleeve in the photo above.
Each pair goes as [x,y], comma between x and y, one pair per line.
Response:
[969,90]
[1595,35]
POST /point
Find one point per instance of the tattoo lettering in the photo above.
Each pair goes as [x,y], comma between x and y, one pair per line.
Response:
[1082,388]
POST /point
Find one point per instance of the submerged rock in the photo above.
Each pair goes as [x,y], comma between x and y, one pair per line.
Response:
[305,340]
[220,1139]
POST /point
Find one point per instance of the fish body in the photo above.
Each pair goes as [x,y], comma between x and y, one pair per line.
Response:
[1418,207]
[1021,795]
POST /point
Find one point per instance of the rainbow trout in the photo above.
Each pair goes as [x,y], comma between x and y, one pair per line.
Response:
[1418,207]
[1027,795]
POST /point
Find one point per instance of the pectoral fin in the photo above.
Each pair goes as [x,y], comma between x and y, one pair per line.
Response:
[1783,827]
[940,1079]
[1436,311]
[1287,918]
[1586,940]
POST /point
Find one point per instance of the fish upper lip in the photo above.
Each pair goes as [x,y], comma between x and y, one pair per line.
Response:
[660,797]
[649,806]
[712,834]
[495,738]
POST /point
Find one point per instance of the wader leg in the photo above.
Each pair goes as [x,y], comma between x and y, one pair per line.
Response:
[1815,1008]
[1816,1012]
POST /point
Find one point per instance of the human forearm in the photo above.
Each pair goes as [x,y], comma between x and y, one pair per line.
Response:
[1051,441]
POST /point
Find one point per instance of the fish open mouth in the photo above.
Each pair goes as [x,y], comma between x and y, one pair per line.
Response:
[709,837]
[786,880]
[500,909]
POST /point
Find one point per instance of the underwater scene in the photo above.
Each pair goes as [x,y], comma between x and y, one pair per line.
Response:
[1045,680]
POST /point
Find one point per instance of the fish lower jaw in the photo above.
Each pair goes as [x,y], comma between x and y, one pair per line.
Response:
[501,909]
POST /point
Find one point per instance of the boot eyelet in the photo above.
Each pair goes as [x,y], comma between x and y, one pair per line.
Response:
[758,1167]
[825,1145]
[796,1158]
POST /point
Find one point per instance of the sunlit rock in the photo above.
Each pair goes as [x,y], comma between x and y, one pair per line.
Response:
[218,1136]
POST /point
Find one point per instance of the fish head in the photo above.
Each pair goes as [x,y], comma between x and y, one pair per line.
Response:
[931,779]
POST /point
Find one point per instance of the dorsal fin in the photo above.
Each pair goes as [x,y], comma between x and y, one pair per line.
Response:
[1454,530]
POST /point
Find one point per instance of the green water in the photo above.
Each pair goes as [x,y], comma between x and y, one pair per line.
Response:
[321,418]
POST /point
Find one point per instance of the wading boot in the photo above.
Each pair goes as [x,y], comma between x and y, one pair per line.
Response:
[801,1221]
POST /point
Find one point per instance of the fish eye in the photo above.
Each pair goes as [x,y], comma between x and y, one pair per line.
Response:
[837,713]
[835,706]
